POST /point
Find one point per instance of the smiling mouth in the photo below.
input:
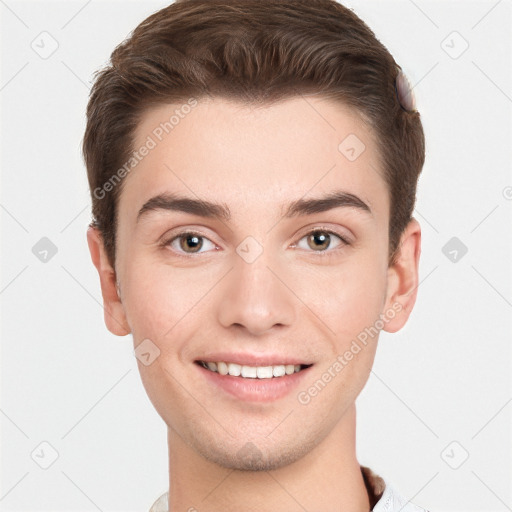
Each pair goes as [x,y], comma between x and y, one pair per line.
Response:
[252,372]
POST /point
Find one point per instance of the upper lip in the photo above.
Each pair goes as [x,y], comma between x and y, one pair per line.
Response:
[253,359]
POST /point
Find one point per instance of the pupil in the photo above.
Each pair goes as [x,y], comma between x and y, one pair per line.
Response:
[191,240]
[322,237]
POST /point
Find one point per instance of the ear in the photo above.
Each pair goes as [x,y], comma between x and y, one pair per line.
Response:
[115,318]
[402,285]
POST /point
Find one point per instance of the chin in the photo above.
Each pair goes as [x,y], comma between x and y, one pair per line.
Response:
[251,457]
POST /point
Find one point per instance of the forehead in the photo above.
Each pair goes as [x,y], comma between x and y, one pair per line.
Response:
[239,154]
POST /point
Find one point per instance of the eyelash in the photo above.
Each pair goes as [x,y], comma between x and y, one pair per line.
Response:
[321,254]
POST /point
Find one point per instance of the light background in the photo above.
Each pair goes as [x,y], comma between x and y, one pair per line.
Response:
[444,378]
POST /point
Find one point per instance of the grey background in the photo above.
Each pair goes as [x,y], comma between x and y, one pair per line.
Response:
[440,390]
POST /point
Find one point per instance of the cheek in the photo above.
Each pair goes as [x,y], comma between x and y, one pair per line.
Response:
[160,300]
[347,297]
[165,383]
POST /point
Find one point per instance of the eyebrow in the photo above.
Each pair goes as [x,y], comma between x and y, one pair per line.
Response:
[207,209]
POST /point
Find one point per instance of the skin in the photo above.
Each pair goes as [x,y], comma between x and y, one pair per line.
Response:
[289,300]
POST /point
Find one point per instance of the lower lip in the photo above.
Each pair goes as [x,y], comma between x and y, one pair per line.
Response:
[255,390]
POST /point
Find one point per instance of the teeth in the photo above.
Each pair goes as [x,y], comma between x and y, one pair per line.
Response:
[264,372]
[251,372]
[234,369]
[222,368]
[278,371]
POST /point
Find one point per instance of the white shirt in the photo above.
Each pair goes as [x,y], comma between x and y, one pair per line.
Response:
[382,495]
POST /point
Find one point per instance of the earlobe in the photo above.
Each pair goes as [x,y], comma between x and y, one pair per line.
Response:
[114,315]
[403,279]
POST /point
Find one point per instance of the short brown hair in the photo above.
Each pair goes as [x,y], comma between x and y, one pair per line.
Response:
[255,51]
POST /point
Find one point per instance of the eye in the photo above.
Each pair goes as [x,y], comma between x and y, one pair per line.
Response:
[188,242]
[191,242]
[319,240]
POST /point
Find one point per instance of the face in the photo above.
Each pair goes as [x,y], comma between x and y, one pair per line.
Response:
[260,280]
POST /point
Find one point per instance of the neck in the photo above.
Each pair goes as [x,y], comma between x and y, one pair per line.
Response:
[327,478]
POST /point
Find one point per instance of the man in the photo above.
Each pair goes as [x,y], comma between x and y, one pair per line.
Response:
[253,170]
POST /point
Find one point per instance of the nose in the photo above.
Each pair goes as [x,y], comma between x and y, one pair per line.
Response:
[256,297]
